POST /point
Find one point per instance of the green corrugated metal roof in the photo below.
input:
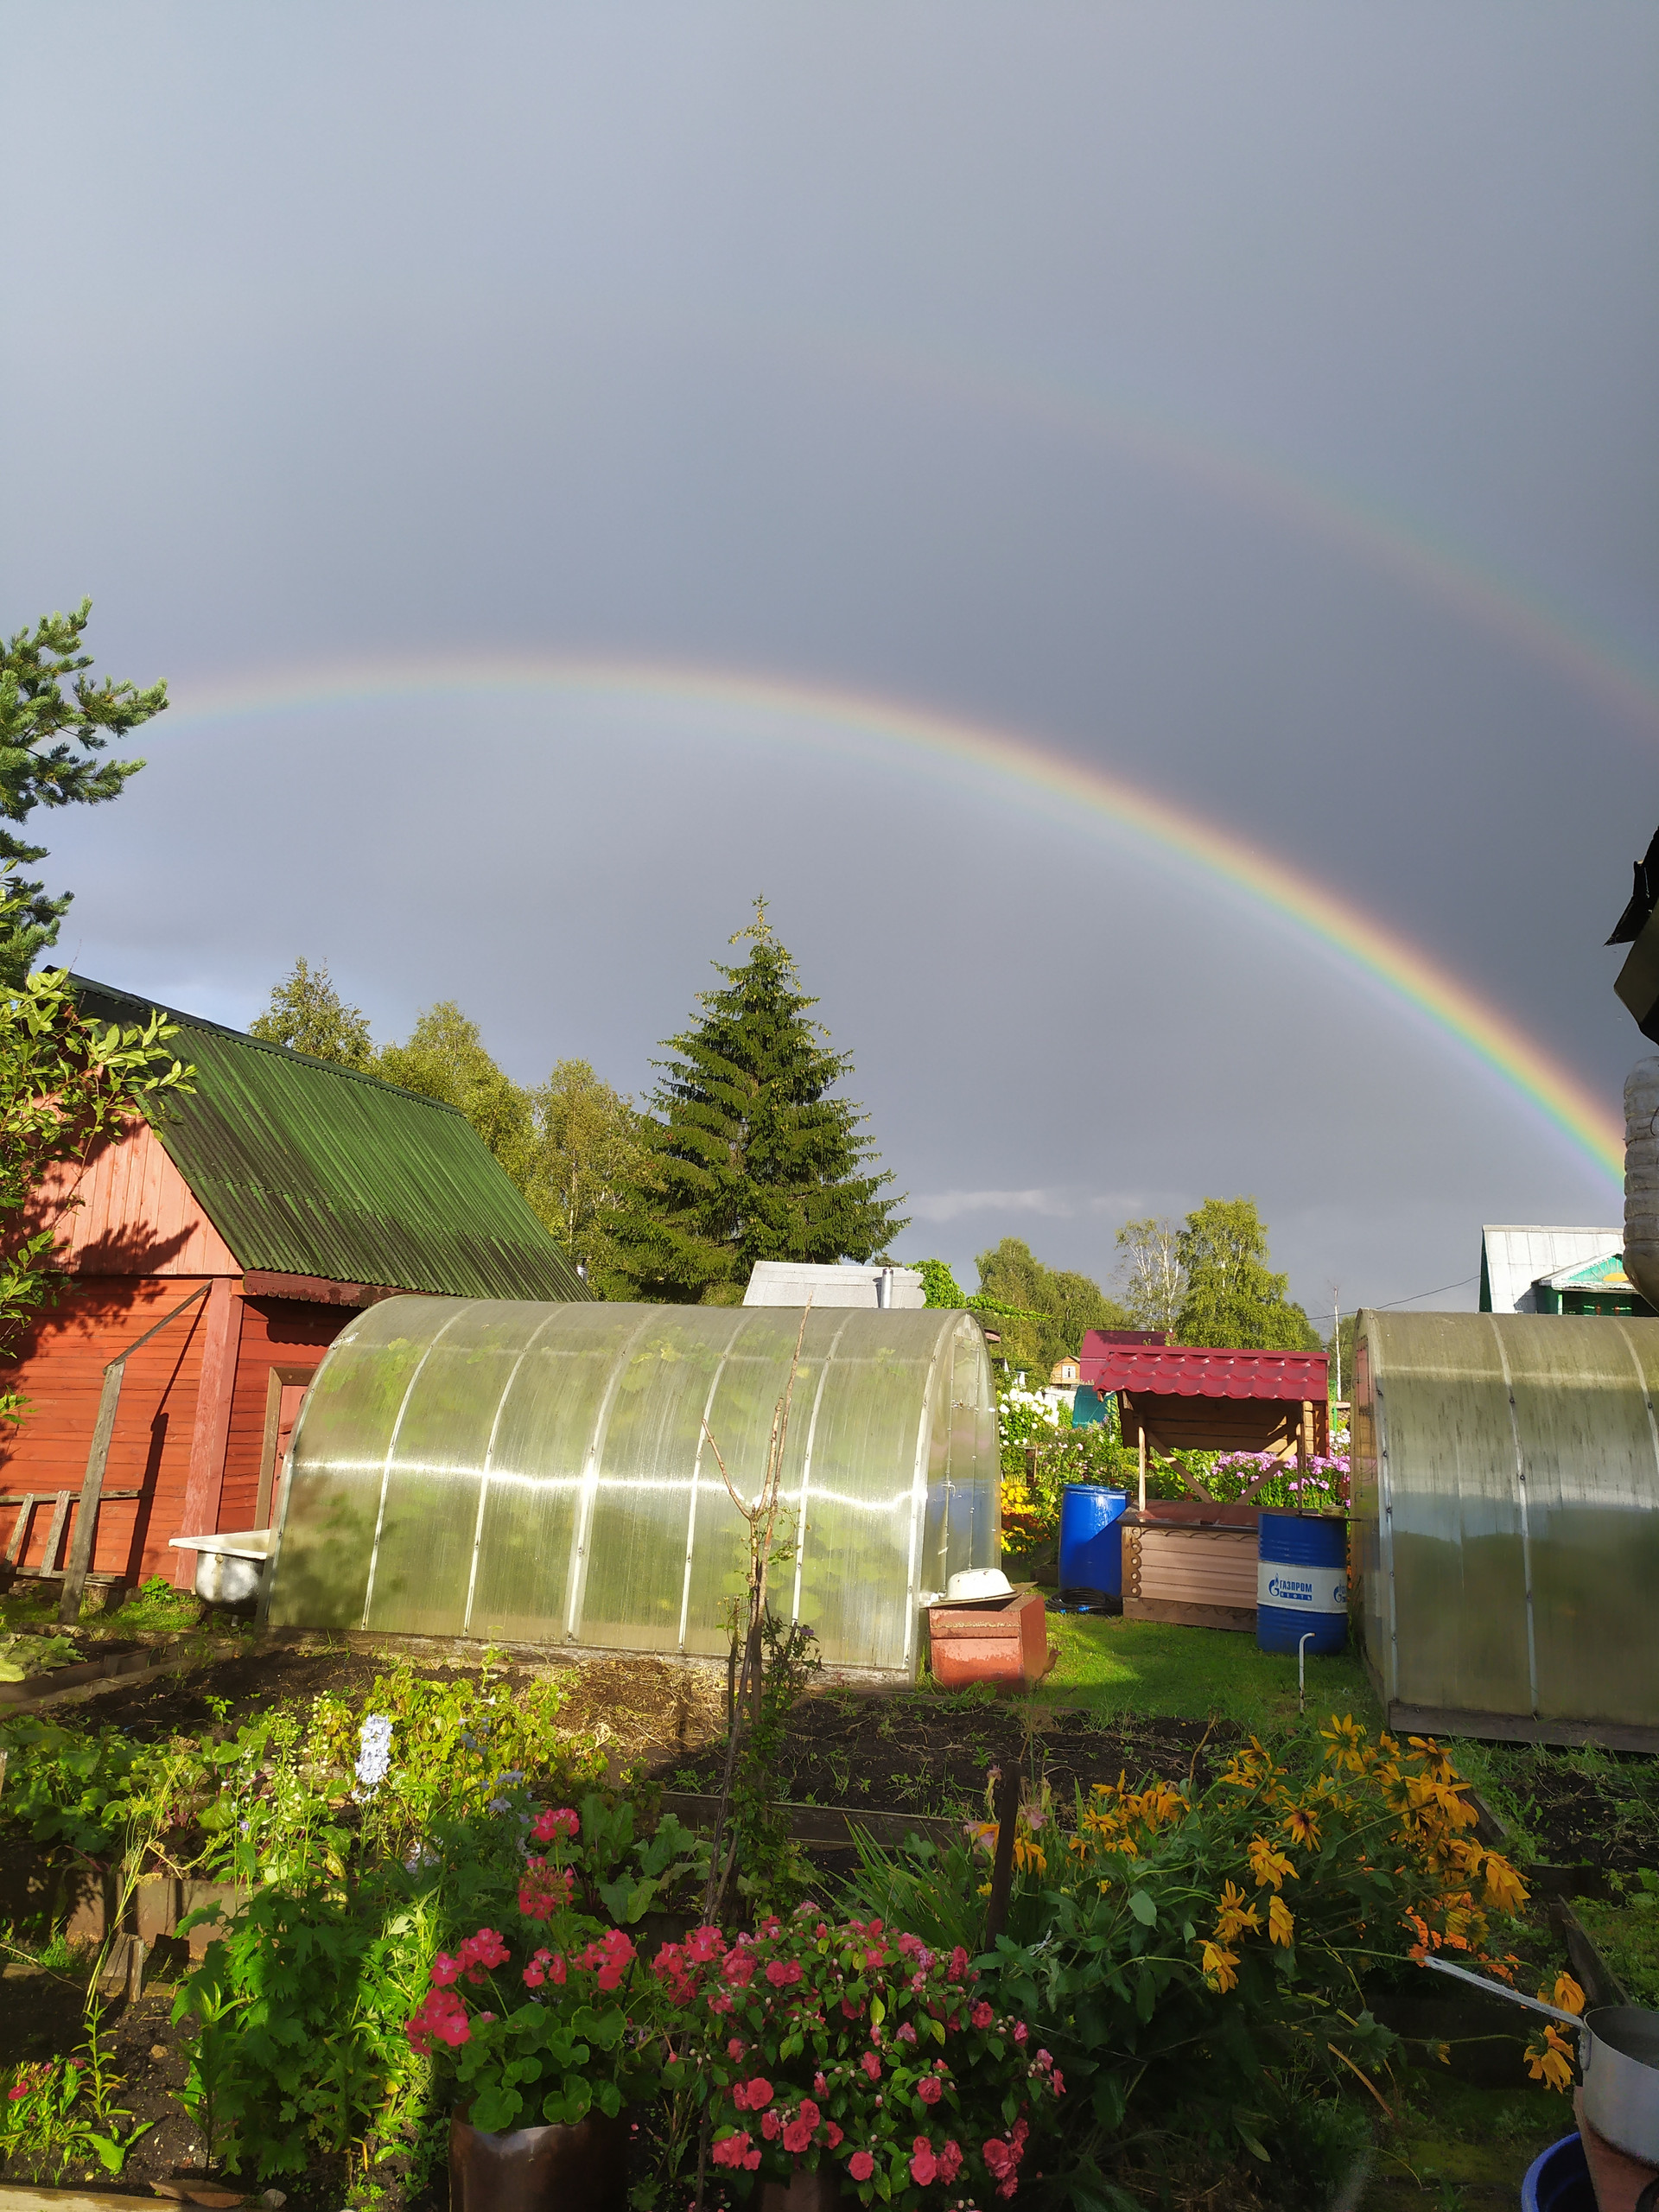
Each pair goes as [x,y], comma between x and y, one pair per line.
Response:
[308,1169]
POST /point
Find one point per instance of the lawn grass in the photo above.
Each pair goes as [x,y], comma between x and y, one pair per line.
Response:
[1109,1665]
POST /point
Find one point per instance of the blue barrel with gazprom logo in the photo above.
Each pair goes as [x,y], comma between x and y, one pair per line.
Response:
[1301,1581]
[1091,1542]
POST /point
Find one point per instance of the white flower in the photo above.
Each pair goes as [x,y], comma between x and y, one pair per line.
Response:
[374,1753]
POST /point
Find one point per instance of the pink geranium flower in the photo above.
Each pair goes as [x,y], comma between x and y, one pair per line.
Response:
[563,1821]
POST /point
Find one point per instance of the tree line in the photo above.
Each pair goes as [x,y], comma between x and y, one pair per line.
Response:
[739,1154]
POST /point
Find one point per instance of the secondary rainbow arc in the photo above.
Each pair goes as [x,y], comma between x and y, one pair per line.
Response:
[813,713]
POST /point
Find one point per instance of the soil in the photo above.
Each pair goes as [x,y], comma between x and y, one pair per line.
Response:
[927,1752]
[1594,1820]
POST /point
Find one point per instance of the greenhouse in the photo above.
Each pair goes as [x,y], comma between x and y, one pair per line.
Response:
[542,1474]
[1506,1523]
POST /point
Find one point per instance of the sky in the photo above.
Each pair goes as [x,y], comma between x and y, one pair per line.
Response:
[1065,500]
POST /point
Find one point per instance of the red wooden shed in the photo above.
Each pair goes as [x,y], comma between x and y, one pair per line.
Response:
[221,1251]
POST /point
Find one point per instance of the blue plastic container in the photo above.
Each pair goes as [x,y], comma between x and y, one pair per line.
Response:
[1301,1582]
[1091,1542]
[1559,2180]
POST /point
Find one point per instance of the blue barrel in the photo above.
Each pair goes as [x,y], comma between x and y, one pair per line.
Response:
[1301,1581]
[1558,2180]
[1091,1542]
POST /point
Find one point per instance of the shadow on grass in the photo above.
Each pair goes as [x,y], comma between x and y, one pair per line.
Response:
[1108,1665]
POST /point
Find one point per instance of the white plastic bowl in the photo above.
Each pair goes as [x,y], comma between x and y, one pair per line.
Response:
[974,1583]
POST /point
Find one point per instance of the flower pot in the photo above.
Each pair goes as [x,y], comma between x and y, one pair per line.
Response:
[549,2169]
[804,2192]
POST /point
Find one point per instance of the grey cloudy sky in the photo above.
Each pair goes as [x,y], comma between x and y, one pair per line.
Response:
[1255,402]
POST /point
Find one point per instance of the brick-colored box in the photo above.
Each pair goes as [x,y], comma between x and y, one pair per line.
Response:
[1004,1643]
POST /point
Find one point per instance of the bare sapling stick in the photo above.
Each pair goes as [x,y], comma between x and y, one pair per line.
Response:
[746,1704]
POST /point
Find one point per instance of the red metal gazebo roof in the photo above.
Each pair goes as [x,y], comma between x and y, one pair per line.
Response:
[1178,1370]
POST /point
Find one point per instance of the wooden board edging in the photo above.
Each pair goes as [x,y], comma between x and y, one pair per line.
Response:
[16,2196]
[1239,1617]
[826,1823]
[1520,1728]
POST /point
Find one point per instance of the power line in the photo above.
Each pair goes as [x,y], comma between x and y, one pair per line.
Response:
[1387,1303]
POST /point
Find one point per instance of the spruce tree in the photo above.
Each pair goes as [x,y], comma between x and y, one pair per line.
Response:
[756,1160]
[53,720]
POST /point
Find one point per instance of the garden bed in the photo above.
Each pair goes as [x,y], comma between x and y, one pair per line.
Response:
[914,1754]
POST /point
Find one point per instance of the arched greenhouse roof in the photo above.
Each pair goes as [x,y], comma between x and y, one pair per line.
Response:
[542,1474]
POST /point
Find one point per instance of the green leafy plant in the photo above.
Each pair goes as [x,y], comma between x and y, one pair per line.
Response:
[63,2112]
[1200,1960]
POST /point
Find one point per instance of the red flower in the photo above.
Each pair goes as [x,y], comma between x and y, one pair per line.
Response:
[831,2134]
[551,1823]
[442,2015]
[733,2151]
[704,1944]
[872,2065]
[770,2126]
[543,1889]
[810,2114]
[950,2162]
[982,2015]
[959,1963]
[736,2047]
[753,2095]
[782,1973]
[798,2135]
[444,1968]
[922,2164]
[738,1969]
[930,2089]
[1021,2031]
[861,2166]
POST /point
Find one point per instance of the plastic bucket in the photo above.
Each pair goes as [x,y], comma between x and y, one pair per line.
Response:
[1091,1542]
[1301,1581]
[1559,2180]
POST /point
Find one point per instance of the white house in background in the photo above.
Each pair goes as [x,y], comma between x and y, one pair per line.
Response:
[1516,1258]
[789,1282]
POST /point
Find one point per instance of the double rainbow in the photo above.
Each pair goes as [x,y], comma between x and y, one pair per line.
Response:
[1037,777]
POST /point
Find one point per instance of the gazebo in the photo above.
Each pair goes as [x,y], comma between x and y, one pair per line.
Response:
[1193,1559]
[1176,1398]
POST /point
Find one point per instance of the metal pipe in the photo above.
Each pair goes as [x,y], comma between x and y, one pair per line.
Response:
[1301,1670]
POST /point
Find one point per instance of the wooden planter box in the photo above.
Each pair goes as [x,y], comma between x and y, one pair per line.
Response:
[1006,1643]
[1199,1575]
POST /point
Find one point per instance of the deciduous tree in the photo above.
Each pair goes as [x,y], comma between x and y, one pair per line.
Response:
[1150,1274]
[591,1168]
[1047,1308]
[1233,1297]
[445,1058]
[55,721]
[308,1014]
[66,1084]
[757,1159]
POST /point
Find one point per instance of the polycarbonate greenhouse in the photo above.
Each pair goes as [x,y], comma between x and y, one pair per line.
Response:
[540,1473]
[1506,1523]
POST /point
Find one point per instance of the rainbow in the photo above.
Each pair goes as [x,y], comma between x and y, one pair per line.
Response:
[1308,507]
[1039,778]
